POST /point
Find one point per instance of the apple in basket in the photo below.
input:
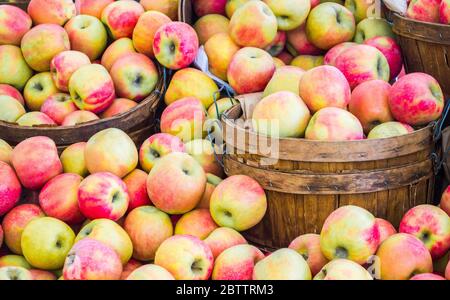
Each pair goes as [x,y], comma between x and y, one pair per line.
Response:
[120,18]
[167,7]
[91,7]
[210,25]
[14,23]
[13,68]
[51,11]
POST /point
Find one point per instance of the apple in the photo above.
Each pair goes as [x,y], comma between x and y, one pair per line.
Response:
[212,181]
[416,99]
[216,109]
[210,25]
[283,264]
[431,225]
[15,273]
[110,234]
[10,189]
[290,14]
[120,18]
[197,222]
[119,106]
[38,89]
[72,159]
[350,232]
[58,107]
[427,276]
[285,78]
[14,223]
[111,150]
[135,76]
[444,12]
[59,198]
[402,256]
[136,183]
[176,183]
[13,68]
[207,155]
[361,9]
[42,43]
[150,272]
[385,228]
[298,43]
[79,117]
[91,7]
[220,49]
[389,129]
[207,7]
[445,201]
[391,50]
[147,228]
[363,63]
[144,32]
[372,27]
[103,195]
[330,24]
[14,23]
[41,153]
[35,118]
[307,62]
[10,109]
[185,257]
[64,64]
[167,7]
[5,152]
[51,11]
[42,275]
[14,261]
[277,45]
[157,146]
[8,90]
[130,266]
[308,246]
[92,88]
[333,53]
[184,119]
[343,269]
[370,104]
[232,5]
[223,238]
[238,202]
[175,45]
[191,82]
[46,242]
[250,70]
[424,10]
[115,51]
[90,259]
[285,56]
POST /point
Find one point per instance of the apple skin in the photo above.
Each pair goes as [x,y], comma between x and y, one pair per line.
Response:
[157,146]
[5,152]
[350,232]
[345,126]
[290,14]
[402,256]
[191,82]
[324,86]
[79,117]
[42,275]
[14,23]
[330,24]
[236,263]
[222,106]
[109,233]
[91,7]
[150,272]
[103,195]
[14,261]
[424,10]
[389,129]
[72,159]
[445,201]
[250,70]
[444,12]
[14,223]
[285,56]
[176,183]
[135,76]
[120,18]
[431,225]
[283,264]
[58,107]
[175,45]
[40,44]
[333,53]
[144,32]
[59,198]
[416,99]
[38,89]
[223,238]
[15,273]
[129,267]
[238,202]
[210,25]
[64,64]
[119,106]
[184,119]
[136,183]
[46,242]
[208,7]
[10,109]
[115,51]
[90,259]
[207,155]
[197,222]
[35,118]
[147,228]
[92,88]
[220,49]
[167,7]
[233,5]
[13,68]
[211,182]
[10,188]
[185,257]
[298,43]
[391,50]
[51,11]
[8,90]
[372,27]
[41,153]
[343,269]
[370,104]
[278,44]
[307,62]
[427,276]
[308,246]
[385,228]
[361,9]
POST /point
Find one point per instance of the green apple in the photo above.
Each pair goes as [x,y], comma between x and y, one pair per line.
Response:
[369,28]
[15,273]
[10,109]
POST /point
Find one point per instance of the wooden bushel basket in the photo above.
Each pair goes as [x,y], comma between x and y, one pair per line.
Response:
[311,178]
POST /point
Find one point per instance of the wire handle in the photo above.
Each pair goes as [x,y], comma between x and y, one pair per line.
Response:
[438,126]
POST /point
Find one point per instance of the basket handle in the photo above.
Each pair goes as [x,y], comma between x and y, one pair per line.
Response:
[438,126]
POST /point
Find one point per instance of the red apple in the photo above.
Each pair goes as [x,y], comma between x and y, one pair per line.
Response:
[79,117]
[119,106]
[385,228]
[64,64]
[8,90]
[424,10]
[51,11]
[298,43]
[444,12]
[197,222]
[427,276]
[120,18]
[144,32]
[223,238]
[207,7]
[333,53]
[391,50]
[91,7]
[157,146]
[445,201]
[14,23]
[58,107]
[308,245]
[136,183]
[10,188]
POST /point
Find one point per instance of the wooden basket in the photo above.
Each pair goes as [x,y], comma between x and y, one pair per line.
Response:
[425,47]
[312,178]
[185,12]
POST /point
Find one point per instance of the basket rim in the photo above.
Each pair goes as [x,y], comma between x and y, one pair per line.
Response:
[431,24]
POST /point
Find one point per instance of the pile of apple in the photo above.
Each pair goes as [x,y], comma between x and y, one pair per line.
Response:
[66,63]
[432,11]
